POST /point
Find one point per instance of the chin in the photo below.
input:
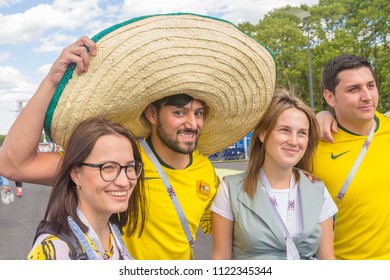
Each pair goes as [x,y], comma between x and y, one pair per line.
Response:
[290,164]
[187,150]
[119,209]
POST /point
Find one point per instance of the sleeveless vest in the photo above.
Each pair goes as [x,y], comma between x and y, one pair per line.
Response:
[257,234]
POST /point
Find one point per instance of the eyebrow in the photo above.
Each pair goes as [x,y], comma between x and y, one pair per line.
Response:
[201,107]
[360,84]
[289,126]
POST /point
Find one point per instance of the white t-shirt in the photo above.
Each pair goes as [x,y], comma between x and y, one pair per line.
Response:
[221,206]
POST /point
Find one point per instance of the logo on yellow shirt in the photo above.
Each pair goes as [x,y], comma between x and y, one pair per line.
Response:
[338,155]
[203,190]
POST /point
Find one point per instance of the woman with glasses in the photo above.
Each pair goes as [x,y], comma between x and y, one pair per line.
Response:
[98,190]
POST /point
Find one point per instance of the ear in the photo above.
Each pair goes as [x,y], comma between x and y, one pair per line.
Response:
[74,174]
[262,136]
[151,114]
[330,98]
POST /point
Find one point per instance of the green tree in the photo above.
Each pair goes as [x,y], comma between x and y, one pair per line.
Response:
[283,35]
[357,27]
[336,27]
[2,139]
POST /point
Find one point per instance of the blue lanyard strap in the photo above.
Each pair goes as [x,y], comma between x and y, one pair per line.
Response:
[87,246]
[171,193]
[83,240]
[121,245]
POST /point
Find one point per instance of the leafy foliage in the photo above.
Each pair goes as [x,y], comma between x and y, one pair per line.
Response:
[334,27]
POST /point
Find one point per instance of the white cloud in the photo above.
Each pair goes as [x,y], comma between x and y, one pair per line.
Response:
[63,15]
[4,56]
[9,77]
[54,42]
[27,26]
[8,3]
[132,8]
[32,38]
[231,10]
[43,70]
[13,87]
[13,82]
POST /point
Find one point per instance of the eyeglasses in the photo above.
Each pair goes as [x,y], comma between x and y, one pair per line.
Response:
[110,170]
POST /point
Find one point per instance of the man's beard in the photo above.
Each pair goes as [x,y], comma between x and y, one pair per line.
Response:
[173,143]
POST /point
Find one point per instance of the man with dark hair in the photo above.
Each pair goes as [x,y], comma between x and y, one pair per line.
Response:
[353,167]
[176,122]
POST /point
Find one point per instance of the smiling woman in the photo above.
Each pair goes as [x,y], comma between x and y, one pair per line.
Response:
[92,199]
[276,210]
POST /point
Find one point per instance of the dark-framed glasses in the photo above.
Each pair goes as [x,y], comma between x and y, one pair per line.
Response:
[110,170]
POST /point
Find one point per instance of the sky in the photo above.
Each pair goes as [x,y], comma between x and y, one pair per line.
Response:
[33,33]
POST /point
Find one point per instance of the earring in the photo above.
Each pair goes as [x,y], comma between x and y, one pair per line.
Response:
[78,187]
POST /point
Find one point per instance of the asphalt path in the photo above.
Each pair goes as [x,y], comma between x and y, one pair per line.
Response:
[18,220]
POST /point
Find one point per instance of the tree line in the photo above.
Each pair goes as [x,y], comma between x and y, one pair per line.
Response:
[334,27]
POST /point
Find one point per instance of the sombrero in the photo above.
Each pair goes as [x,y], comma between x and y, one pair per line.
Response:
[147,58]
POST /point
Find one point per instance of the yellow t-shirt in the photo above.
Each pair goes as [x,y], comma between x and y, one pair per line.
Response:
[163,237]
[363,221]
[51,247]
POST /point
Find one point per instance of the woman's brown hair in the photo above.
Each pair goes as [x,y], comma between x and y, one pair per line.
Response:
[281,101]
[63,201]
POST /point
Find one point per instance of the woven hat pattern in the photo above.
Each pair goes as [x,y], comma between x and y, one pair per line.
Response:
[152,57]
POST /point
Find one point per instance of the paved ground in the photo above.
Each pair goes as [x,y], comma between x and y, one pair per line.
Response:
[18,220]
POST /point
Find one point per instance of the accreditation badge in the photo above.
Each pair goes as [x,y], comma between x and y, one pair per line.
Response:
[203,190]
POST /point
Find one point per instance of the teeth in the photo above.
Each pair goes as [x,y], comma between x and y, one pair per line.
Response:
[187,135]
[117,193]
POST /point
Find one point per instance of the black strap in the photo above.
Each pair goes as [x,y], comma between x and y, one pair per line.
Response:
[69,238]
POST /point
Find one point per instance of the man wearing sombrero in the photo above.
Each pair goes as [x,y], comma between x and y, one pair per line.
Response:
[166,78]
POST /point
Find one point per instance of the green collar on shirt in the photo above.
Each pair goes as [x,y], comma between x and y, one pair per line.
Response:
[350,132]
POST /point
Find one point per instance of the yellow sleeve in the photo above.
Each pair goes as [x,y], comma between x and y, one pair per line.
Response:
[205,220]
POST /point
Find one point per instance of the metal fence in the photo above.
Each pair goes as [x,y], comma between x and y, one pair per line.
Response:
[238,151]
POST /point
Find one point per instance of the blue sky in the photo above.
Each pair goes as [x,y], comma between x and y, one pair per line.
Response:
[33,33]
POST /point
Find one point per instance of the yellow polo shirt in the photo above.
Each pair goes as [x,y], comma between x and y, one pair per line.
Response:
[163,237]
[363,221]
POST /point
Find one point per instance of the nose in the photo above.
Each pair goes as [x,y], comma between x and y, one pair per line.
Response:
[191,121]
[292,140]
[122,179]
[366,94]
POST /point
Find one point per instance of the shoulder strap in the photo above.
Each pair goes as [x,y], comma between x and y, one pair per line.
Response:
[69,238]
[171,193]
[356,164]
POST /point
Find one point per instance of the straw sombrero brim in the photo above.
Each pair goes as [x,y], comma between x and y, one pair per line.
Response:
[147,58]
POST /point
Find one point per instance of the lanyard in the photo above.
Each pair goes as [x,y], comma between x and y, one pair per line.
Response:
[292,251]
[119,242]
[92,234]
[171,193]
[356,165]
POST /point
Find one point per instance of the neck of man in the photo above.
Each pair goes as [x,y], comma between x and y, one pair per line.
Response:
[169,157]
[358,128]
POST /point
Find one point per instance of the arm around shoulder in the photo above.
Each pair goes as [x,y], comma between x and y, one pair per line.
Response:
[328,124]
